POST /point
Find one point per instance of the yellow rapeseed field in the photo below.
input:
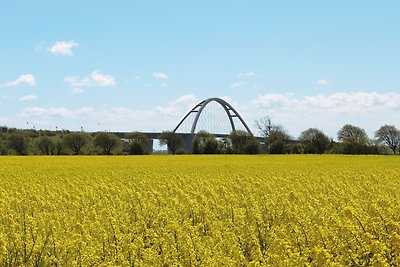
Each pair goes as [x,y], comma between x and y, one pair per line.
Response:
[290,210]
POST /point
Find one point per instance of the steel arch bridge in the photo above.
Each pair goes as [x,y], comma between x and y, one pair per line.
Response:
[188,136]
[197,111]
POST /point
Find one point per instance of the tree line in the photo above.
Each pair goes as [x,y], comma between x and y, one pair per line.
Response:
[42,142]
[351,140]
[275,140]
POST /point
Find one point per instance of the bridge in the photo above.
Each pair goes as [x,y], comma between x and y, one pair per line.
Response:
[225,117]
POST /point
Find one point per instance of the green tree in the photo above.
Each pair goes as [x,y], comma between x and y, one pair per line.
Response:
[239,140]
[277,147]
[205,143]
[18,143]
[138,143]
[3,150]
[137,136]
[136,148]
[59,144]
[173,140]
[354,140]
[244,142]
[314,141]
[278,134]
[107,142]
[352,134]
[252,146]
[389,135]
[75,141]
[225,145]
[45,145]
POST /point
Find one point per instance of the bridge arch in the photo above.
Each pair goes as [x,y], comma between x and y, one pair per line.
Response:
[198,109]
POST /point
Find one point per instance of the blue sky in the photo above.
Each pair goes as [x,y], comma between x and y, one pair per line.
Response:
[140,65]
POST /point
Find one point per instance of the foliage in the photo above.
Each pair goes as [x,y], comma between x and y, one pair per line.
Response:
[107,142]
[276,137]
[277,147]
[205,143]
[351,134]
[136,148]
[200,211]
[138,137]
[46,145]
[244,143]
[59,148]
[64,142]
[173,140]
[314,141]
[18,143]
[354,140]
[75,141]
[389,135]
[225,145]
[252,146]
[180,151]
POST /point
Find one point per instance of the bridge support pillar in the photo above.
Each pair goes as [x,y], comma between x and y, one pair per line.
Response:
[150,148]
[188,142]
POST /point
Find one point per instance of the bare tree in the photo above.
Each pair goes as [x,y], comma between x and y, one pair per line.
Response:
[265,126]
[272,132]
[276,137]
[389,135]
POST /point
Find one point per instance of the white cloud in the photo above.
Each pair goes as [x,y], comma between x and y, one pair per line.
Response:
[185,99]
[275,99]
[102,79]
[63,48]
[338,102]
[160,75]
[95,79]
[247,74]
[110,119]
[168,110]
[77,90]
[328,112]
[177,107]
[56,111]
[22,80]
[28,98]
[236,84]
[352,102]
[132,78]
[75,81]
[322,82]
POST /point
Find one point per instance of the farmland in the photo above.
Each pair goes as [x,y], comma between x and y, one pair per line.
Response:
[200,210]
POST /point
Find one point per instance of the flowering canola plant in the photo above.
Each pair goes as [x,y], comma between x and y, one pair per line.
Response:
[222,210]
